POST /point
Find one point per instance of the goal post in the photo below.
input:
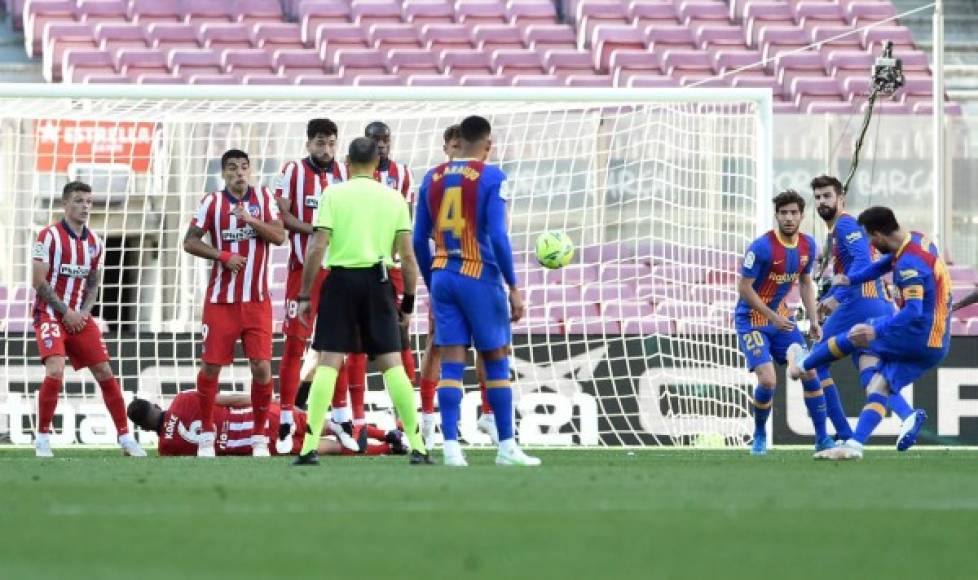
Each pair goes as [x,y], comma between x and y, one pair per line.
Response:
[631,344]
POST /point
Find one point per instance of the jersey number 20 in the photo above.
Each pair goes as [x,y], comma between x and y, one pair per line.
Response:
[450,213]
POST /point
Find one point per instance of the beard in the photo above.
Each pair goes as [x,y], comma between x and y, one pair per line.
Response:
[827,213]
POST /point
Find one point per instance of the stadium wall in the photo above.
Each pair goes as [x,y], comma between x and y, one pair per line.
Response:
[586,405]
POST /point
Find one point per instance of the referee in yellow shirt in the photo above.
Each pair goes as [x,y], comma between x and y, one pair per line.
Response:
[361,221]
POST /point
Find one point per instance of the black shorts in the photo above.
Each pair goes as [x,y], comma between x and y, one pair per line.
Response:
[357,313]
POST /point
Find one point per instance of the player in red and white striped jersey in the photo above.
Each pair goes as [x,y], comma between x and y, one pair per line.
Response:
[179,428]
[297,192]
[397,176]
[240,222]
[67,259]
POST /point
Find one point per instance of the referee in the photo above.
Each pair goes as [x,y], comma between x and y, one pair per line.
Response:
[360,221]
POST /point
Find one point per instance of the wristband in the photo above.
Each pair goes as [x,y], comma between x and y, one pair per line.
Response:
[407,303]
[225,257]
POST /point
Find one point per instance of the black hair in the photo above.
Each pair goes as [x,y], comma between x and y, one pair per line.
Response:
[233,154]
[788,197]
[879,219]
[362,151]
[73,186]
[452,132]
[138,410]
[376,126]
[474,128]
[321,127]
[828,181]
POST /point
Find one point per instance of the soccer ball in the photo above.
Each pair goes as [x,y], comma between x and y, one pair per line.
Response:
[554,250]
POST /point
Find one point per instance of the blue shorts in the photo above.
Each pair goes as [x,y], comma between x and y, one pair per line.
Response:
[764,344]
[903,358]
[854,312]
[469,311]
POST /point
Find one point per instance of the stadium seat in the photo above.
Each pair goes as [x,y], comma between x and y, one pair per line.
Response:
[643,14]
[438,37]
[318,80]
[429,80]
[548,36]
[712,35]
[224,35]
[798,64]
[608,293]
[860,13]
[834,36]
[773,39]
[96,11]
[150,11]
[592,326]
[134,62]
[678,62]
[276,35]
[686,274]
[386,36]
[352,62]
[159,79]
[963,274]
[62,36]
[625,64]
[252,61]
[898,35]
[463,62]
[811,13]
[682,310]
[421,12]
[187,62]
[203,11]
[646,327]
[77,62]
[39,13]
[759,14]
[294,62]
[490,37]
[566,62]
[213,80]
[333,37]
[313,13]
[512,62]
[377,80]
[258,11]
[473,12]
[693,13]
[727,60]
[626,309]
[412,61]
[105,79]
[607,38]
[571,311]
[112,36]
[483,80]
[663,38]
[590,13]
[536,81]
[169,35]
[522,13]
[366,12]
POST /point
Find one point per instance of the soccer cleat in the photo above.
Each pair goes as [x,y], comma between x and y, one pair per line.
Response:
[510,454]
[852,449]
[311,458]
[259,446]
[452,455]
[344,433]
[398,442]
[487,424]
[796,357]
[428,430]
[362,440]
[42,445]
[205,445]
[910,429]
[284,441]
[759,446]
[825,443]
[418,458]
[129,446]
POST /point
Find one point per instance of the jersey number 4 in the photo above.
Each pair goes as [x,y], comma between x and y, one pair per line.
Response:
[450,213]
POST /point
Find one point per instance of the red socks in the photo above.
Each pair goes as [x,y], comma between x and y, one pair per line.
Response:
[47,402]
[356,376]
[206,393]
[342,387]
[112,395]
[407,359]
[289,369]
[261,396]
[428,389]
[486,407]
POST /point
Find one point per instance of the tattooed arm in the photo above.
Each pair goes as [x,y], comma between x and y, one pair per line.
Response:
[73,320]
[91,292]
[194,244]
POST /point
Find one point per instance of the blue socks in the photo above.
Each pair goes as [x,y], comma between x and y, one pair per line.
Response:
[895,402]
[815,401]
[870,418]
[833,404]
[827,351]
[450,398]
[500,395]
[762,408]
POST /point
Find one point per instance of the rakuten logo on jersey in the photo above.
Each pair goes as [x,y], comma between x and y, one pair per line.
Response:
[74,271]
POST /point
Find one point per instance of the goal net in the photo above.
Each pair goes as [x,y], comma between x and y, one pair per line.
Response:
[631,344]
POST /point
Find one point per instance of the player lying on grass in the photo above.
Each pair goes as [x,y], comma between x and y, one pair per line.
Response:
[66,270]
[179,428]
[907,344]
[847,306]
[773,264]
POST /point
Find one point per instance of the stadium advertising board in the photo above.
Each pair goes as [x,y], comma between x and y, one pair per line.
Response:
[589,390]
[60,142]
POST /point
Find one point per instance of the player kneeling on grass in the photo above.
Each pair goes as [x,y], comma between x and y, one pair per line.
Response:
[462,208]
[907,344]
[179,428]
[66,273]
[773,264]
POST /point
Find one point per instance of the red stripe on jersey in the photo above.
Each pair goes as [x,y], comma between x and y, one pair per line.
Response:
[215,216]
[398,177]
[70,259]
[302,183]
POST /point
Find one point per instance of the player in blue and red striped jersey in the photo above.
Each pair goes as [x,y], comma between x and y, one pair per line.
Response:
[848,306]
[462,207]
[908,343]
[773,264]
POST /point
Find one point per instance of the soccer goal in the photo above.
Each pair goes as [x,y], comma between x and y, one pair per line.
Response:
[631,344]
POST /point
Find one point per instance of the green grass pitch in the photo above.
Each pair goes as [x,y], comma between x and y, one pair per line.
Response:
[584,514]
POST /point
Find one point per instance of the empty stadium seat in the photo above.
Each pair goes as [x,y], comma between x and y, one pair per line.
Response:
[420,12]
[522,13]
[366,12]
[472,12]
[489,37]
[413,61]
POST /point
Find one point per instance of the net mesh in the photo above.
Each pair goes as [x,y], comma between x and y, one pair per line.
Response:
[630,344]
